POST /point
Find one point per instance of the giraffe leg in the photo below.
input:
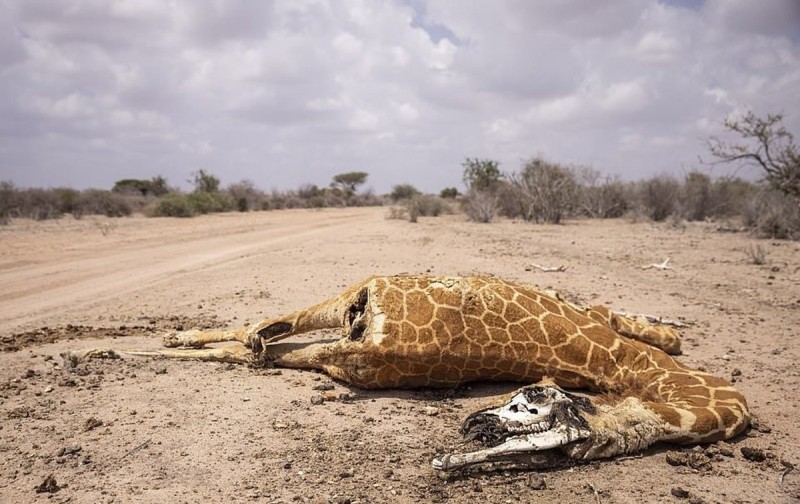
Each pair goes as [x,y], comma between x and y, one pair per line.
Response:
[236,353]
[198,339]
[345,311]
[638,328]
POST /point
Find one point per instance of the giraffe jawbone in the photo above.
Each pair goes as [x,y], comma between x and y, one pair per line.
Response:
[526,431]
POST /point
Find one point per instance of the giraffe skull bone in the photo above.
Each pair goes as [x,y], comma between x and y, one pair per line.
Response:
[535,419]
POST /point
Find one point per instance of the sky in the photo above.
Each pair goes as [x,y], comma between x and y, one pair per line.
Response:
[289,92]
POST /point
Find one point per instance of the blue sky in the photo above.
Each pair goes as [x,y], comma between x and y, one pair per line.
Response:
[291,92]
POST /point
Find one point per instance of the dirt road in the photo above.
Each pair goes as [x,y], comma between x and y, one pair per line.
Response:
[140,430]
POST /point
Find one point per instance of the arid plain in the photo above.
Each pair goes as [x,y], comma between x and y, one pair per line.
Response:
[141,430]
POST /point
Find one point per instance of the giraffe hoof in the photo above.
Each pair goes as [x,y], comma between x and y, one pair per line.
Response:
[182,339]
[72,358]
[536,419]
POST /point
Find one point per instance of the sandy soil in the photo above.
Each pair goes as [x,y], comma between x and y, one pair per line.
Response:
[141,430]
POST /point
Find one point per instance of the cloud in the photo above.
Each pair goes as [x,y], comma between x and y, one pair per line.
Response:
[288,92]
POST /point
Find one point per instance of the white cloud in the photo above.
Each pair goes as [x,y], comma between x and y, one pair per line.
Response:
[296,91]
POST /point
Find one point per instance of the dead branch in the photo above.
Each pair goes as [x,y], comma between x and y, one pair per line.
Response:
[136,449]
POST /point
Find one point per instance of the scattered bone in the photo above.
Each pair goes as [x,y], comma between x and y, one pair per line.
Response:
[549,269]
[661,266]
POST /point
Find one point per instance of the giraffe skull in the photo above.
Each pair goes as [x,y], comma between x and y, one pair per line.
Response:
[536,419]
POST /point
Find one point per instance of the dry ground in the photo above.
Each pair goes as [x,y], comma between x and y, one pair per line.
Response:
[140,430]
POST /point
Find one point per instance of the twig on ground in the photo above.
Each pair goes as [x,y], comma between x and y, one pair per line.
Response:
[660,266]
[137,448]
[594,491]
[549,269]
[789,468]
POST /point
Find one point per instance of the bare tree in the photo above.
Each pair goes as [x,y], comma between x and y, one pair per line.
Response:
[547,190]
[768,145]
[600,197]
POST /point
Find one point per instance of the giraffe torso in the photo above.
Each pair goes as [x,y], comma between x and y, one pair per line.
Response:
[444,330]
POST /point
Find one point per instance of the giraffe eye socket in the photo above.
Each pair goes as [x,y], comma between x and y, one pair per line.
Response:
[523,408]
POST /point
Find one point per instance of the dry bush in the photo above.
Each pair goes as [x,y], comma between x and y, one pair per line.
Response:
[774,214]
[38,204]
[245,196]
[8,201]
[546,190]
[99,202]
[365,198]
[397,212]
[600,197]
[425,205]
[731,196]
[480,206]
[695,198]
[658,196]
[756,254]
[510,201]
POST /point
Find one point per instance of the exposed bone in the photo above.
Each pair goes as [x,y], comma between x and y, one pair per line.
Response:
[549,269]
[661,266]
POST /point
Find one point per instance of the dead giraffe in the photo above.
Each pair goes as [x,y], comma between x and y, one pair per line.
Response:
[423,331]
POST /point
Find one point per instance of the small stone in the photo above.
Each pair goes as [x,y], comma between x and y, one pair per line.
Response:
[245,399]
[431,410]
[725,449]
[696,499]
[161,370]
[346,474]
[343,500]
[476,487]
[536,482]
[753,454]
[48,389]
[394,459]
[388,473]
[676,458]
[317,399]
[49,485]
[679,492]
[30,373]
[91,423]
[323,386]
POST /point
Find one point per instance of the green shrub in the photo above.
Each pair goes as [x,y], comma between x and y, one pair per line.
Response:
[172,205]
[449,193]
[202,202]
[403,191]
